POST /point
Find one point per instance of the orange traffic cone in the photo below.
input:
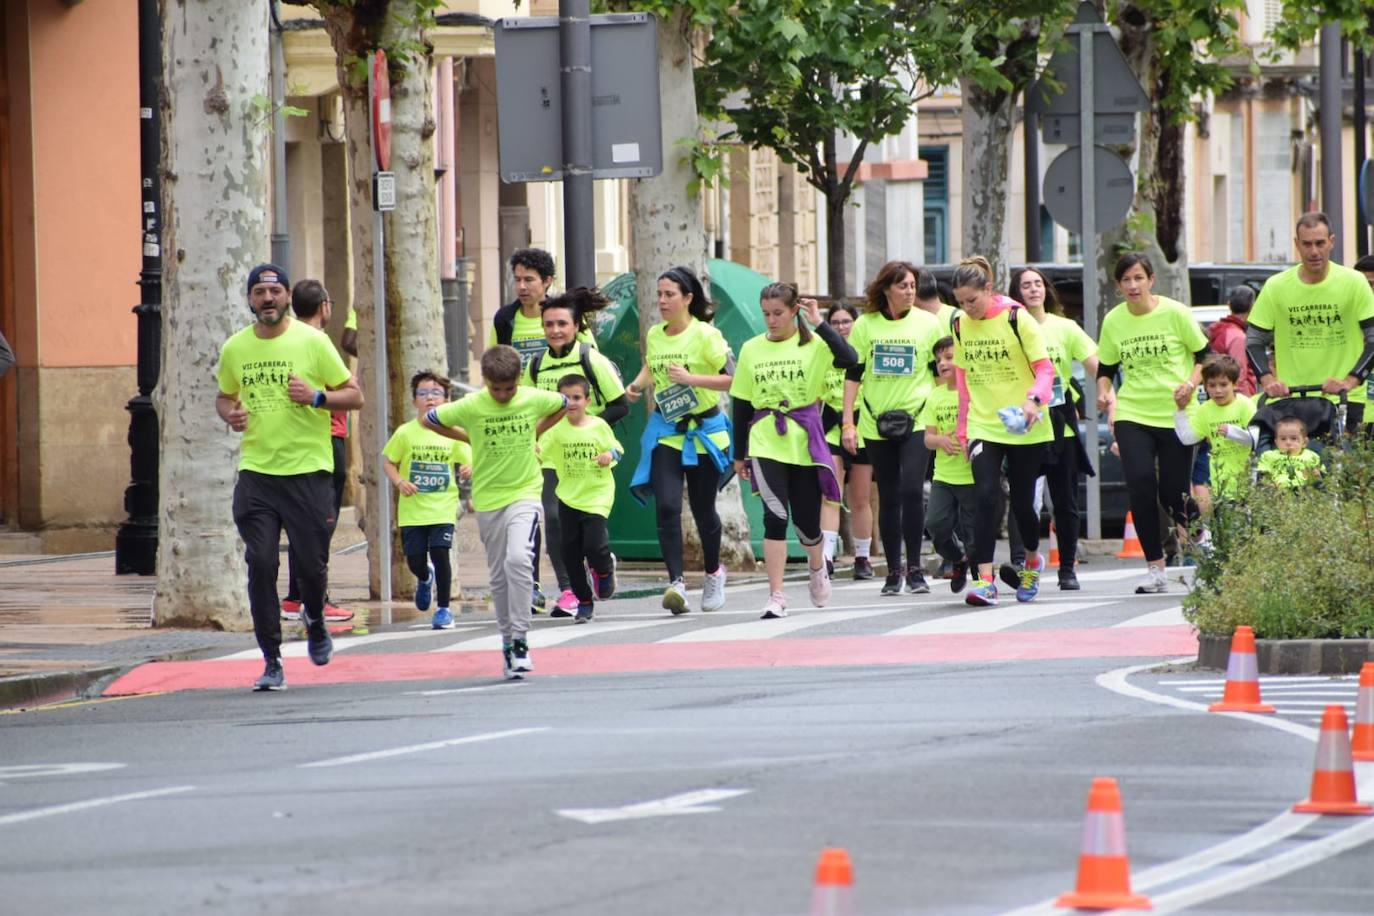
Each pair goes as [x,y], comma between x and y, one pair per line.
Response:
[1130,542]
[1054,547]
[1333,776]
[833,894]
[1104,871]
[1362,741]
[1242,677]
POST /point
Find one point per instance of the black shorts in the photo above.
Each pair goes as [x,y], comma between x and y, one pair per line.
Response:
[861,457]
[420,539]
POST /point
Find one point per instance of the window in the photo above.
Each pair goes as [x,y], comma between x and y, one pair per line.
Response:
[936,190]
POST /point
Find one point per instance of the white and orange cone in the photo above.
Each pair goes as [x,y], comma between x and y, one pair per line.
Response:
[1242,677]
[1333,775]
[833,892]
[1104,871]
[1130,542]
[1362,741]
[1054,547]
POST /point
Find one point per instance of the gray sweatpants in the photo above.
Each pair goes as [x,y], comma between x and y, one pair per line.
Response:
[508,537]
[949,519]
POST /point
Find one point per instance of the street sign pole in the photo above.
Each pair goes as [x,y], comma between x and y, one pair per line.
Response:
[579,202]
[1087,144]
[379,103]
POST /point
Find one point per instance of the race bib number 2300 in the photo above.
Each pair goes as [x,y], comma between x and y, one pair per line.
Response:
[429,476]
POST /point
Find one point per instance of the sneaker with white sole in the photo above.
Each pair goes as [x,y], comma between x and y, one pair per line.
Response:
[566,605]
[1153,583]
[818,585]
[776,606]
[713,590]
[442,620]
[603,587]
[272,676]
[290,609]
[520,656]
[508,668]
[675,597]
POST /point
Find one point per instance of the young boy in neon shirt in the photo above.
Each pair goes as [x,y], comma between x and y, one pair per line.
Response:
[581,450]
[502,423]
[949,517]
[1223,420]
[419,463]
[1290,464]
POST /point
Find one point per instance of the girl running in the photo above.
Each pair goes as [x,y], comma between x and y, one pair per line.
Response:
[893,341]
[1005,379]
[781,445]
[854,470]
[1159,348]
[687,365]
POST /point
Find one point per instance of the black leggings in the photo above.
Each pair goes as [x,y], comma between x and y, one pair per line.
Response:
[899,469]
[666,475]
[443,572]
[1062,479]
[1158,469]
[584,537]
[553,529]
[784,487]
[1023,465]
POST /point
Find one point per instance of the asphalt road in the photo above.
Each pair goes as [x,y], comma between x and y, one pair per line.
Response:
[957,785]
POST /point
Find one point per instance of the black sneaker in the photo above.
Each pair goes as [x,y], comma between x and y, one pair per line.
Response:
[863,568]
[559,612]
[1068,579]
[273,678]
[520,656]
[958,576]
[319,643]
[584,613]
[1010,574]
[916,582]
[892,585]
[508,664]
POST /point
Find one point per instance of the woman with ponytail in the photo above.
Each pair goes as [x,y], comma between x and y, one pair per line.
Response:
[854,471]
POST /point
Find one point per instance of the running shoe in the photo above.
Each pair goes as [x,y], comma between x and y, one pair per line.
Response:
[863,568]
[272,678]
[603,587]
[713,590]
[916,582]
[508,668]
[333,614]
[982,594]
[958,576]
[584,613]
[537,600]
[892,585]
[1010,574]
[319,644]
[675,597]
[776,606]
[819,587]
[1068,579]
[1153,583]
[1030,579]
[442,620]
[945,571]
[567,603]
[424,592]
[290,609]
[520,655]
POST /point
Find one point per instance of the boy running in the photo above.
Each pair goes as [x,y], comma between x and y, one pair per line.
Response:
[949,517]
[1223,420]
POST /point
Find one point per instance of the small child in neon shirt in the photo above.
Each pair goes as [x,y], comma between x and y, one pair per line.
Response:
[1290,464]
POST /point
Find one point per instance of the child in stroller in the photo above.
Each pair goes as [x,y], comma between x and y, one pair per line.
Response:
[1323,418]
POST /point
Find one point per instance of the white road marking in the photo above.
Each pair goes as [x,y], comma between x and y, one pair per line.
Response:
[89,803]
[698,802]
[1264,679]
[25,771]
[418,748]
[991,620]
[440,693]
[544,637]
[1168,617]
[300,649]
[768,629]
[1310,690]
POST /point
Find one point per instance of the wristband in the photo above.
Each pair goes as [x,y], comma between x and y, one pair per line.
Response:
[319,397]
[844,426]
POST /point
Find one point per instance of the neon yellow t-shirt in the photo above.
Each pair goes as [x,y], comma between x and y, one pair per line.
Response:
[1155,352]
[283,438]
[997,371]
[1066,343]
[1316,326]
[1290,471]
[553,368]
[426,459]
[571,452]
[834,399]
[896,356]
[701,349]
[527,335]
[505,465]
[942,412]
[781,374]
[1229,460]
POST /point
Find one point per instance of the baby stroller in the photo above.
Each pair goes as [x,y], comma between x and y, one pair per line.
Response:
[1325,419]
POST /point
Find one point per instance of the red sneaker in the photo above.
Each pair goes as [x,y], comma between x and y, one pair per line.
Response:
[290,610]
[334,614]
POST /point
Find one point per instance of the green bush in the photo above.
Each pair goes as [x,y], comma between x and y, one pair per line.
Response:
[1293,564]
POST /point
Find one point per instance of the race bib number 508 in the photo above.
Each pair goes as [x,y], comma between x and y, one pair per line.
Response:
[894,359]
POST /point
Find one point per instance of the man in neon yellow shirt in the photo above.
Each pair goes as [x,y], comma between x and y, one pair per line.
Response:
[1319,318]
[278,380]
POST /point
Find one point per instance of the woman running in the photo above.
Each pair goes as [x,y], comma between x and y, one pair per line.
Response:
[687,365]
[1066,343]
[569,353]
[853,470]
[1157,345]
[1005,378]
[780,443]
[893,341]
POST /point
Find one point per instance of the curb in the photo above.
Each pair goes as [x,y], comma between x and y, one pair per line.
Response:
[29,690]
[1291,656]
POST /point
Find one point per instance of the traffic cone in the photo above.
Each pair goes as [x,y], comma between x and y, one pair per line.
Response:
[1362,742]
[1242,677]
[1104,871]
[833,894]
[1130,542]
[1333,776]
[1054,547]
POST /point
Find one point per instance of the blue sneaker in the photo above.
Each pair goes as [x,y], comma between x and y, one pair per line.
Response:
[584,613]
[1030,580]
[443,619]
[424,592]
[982,594]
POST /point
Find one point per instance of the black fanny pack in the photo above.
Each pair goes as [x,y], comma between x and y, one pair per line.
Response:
[895,425]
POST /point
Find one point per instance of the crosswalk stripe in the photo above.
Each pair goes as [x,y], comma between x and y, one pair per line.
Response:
[991,620]
[767,629]
[1168,617]
[299,649]
[544,637]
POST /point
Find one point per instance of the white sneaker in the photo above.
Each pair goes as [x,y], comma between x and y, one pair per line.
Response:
[776,606]
[1153,583]
[713,590]
[819,586]
[675,598]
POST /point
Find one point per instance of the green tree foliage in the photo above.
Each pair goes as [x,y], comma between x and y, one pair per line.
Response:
[1301,22]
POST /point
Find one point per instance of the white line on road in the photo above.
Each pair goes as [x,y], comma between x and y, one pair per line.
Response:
[446,692]
[767,629]
[991,620]
[1264,679]
[1169,617]
[341,643]
[545,637]
[698,802]
[89,803]
[418,748]
[55,769]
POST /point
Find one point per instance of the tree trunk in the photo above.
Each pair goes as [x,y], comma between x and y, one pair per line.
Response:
[835,261]
[214,201]
[667,230]
[988,120]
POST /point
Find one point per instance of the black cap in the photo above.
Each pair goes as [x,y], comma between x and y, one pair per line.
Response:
[267,273]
